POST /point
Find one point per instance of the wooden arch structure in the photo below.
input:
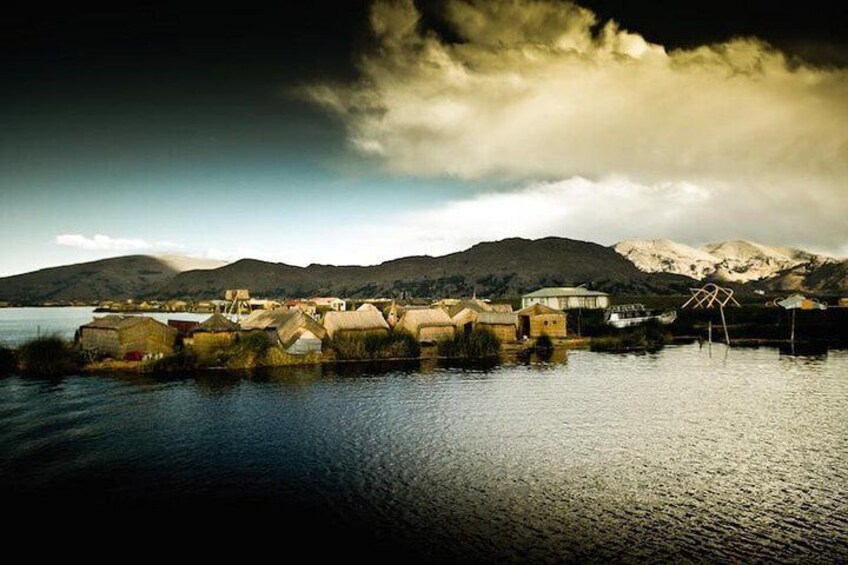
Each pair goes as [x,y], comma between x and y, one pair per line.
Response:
[711,296]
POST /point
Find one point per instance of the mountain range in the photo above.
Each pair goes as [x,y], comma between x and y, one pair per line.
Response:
[503,268]
[116,278]
[739,261]
[493,269]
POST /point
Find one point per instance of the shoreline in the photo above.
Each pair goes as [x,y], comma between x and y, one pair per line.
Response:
[507,350]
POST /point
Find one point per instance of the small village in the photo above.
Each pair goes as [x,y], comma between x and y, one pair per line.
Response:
[246,332]
[243,332]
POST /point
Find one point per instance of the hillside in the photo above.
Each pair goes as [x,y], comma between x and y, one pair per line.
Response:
[503,268]
[831,276]
[493,269]
[730,261]
[114,278]
[181,263]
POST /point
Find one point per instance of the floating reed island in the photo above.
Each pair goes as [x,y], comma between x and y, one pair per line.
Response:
[245,333]
[316,331]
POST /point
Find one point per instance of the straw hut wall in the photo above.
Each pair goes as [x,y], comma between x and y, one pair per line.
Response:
[502,324]
[213,335]
[538,320]
[427,325]
[117,336]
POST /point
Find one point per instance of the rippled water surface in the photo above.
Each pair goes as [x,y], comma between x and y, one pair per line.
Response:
[681,455]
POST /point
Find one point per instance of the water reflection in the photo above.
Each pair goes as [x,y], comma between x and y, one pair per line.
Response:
[669,456]
[804,349]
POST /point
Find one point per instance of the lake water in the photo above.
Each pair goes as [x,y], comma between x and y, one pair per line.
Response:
[18,325]
[685,455]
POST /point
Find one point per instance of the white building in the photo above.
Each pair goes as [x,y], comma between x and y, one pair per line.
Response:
[330,302]
[567,298]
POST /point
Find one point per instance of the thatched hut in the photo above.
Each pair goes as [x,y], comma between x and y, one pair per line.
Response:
[212,335]
[474,304]
[122,337]
[502,324]
[367,307]
[427,325]
[538,320]
[295,332]
[356,323]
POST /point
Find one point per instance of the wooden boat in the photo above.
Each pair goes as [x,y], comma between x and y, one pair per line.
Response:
[628,315]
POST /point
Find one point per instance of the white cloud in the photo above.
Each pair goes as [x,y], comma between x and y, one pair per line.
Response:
[604,211]
[168,245]
[101,242]
[542,90]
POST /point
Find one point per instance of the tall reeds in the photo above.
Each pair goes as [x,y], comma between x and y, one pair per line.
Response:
[478,344]
[47,356]
[393,345]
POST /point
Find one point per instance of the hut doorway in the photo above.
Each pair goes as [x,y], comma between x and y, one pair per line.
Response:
[468,328]
[525,326]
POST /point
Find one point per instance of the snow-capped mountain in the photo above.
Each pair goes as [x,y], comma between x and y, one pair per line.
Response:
[744,261]
[666,256]
[734,261]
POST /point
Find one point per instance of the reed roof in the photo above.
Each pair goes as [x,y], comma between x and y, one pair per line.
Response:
[216,323]
[539,309]
[427,317]
[356,320]
[119,322]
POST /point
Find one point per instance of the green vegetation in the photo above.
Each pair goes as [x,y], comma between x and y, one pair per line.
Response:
[182,361]
[250,350]
[255,342]
[647,337]
[394,345]
[478,344]
[47,356]
[8,362]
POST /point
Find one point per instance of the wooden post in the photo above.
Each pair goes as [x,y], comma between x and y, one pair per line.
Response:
[579,319]
[724,323]
[710,332]
[792,334]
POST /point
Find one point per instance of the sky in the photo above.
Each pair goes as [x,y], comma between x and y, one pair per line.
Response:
[357,132]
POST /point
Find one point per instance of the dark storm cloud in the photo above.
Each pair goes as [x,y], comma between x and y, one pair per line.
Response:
[540,89]
[94,101]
